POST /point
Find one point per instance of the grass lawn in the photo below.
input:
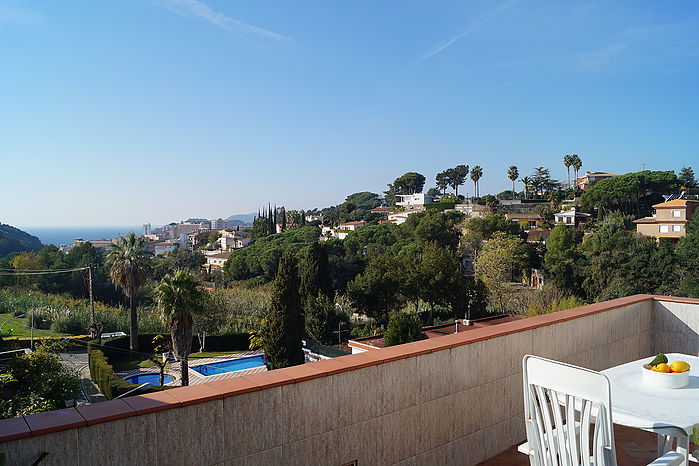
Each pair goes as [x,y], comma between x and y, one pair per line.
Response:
[20,329]
[128,364]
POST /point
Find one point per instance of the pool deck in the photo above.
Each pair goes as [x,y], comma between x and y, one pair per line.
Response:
[195,377]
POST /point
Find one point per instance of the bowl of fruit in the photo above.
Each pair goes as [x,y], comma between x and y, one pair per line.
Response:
[665,374]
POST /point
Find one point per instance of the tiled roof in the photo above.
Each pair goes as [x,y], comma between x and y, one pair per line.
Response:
[675,203]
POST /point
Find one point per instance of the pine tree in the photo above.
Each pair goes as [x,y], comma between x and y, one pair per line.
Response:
[284,326]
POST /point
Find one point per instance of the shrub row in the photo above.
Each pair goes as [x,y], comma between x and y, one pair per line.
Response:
[118,347]
[102,373]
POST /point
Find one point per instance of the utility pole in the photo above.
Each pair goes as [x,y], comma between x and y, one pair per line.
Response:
[93,325]
[339,332]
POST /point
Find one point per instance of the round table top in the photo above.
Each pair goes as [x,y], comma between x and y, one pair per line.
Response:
[636,404]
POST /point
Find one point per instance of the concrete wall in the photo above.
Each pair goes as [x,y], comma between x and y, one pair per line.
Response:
[676,327]
[452,400]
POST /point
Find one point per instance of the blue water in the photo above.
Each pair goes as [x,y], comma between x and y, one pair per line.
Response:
[153,379]
[230,366]
[66,235]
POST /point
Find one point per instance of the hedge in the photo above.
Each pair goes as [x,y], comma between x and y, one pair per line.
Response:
[226,342]
[441,206]
[102,374]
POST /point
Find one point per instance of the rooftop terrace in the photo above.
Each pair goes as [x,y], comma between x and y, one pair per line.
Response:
[456,399]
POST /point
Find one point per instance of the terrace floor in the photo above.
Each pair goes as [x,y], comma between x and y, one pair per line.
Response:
[633,447]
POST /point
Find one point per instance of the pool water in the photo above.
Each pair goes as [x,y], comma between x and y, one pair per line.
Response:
[230,366]
[153,379]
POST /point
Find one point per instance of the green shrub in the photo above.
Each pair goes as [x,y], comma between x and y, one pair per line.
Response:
[102,373]
[403,328]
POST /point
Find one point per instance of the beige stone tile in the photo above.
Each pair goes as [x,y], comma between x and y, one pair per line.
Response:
[309,451]
[645,344]
[356,394]
[467,409]
[271,457]
[434,375]
[468,365]
[307,408]
[253,422]
[436,456]
[401,433]
[467,450]
[359,442]
[645,315]
[191,434]
[131,440]
[396,385]
[552,341]
[623,322]
[601,328]
[62,448]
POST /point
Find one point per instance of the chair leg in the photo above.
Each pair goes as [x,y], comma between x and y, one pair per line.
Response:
[664,444]
[683,448]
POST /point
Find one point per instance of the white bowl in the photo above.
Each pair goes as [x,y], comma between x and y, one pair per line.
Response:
[665,379]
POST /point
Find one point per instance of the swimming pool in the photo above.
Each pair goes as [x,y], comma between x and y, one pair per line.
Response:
[230,366]
[150,377]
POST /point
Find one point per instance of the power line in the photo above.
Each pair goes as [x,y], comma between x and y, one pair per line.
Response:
[38,272]
[42,270]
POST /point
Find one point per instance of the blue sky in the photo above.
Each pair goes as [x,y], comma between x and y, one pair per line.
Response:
[129,111]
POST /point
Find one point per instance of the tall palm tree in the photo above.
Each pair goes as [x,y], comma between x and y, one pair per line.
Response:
[576,163]
[513,174]
[568,161]
[526,181]
[179,297]
[129,265]
[476,174]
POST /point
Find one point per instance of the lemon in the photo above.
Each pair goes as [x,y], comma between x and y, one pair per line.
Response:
[679,366]
[662,367]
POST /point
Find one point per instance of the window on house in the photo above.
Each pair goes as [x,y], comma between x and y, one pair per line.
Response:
[676,213]
[675,228]
[664,229]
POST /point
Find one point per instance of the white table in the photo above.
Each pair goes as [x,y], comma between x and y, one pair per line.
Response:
[669,412]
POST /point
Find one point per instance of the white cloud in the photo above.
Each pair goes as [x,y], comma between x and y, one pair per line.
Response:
[200,10]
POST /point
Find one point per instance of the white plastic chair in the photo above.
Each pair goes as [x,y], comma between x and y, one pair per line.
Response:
[559,395]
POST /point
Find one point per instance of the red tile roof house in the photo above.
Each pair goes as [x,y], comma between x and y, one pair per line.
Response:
[452,400]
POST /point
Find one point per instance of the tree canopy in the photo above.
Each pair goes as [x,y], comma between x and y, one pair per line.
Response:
[633,193]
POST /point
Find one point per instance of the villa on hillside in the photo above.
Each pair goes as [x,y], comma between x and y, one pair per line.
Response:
[216,261]
[571,217]
[417,200]
[669,220]
[528,221]
[588,179]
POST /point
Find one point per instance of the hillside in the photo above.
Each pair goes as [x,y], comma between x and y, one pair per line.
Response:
[15,240]
[244,219]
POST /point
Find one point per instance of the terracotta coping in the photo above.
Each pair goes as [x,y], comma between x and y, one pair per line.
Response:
[14,428]
[105,411]
[69,418]
[54,421]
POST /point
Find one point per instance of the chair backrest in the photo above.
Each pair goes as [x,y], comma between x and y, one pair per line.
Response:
[556,397]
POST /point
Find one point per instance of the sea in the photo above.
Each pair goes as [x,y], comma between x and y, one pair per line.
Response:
[66,235]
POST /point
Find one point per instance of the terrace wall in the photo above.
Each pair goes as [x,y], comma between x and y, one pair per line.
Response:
[676,326]
[451,400]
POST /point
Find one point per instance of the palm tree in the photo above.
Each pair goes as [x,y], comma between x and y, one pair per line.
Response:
[526,181]
[576,163]
[568,161]
[179,297]
[513,174]
[476,174]
[129,265]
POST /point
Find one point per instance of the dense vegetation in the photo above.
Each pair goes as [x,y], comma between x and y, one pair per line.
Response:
[13,240]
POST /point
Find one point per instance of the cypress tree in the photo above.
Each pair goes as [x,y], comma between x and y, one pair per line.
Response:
[284,327]
[282,213]
[314,273]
